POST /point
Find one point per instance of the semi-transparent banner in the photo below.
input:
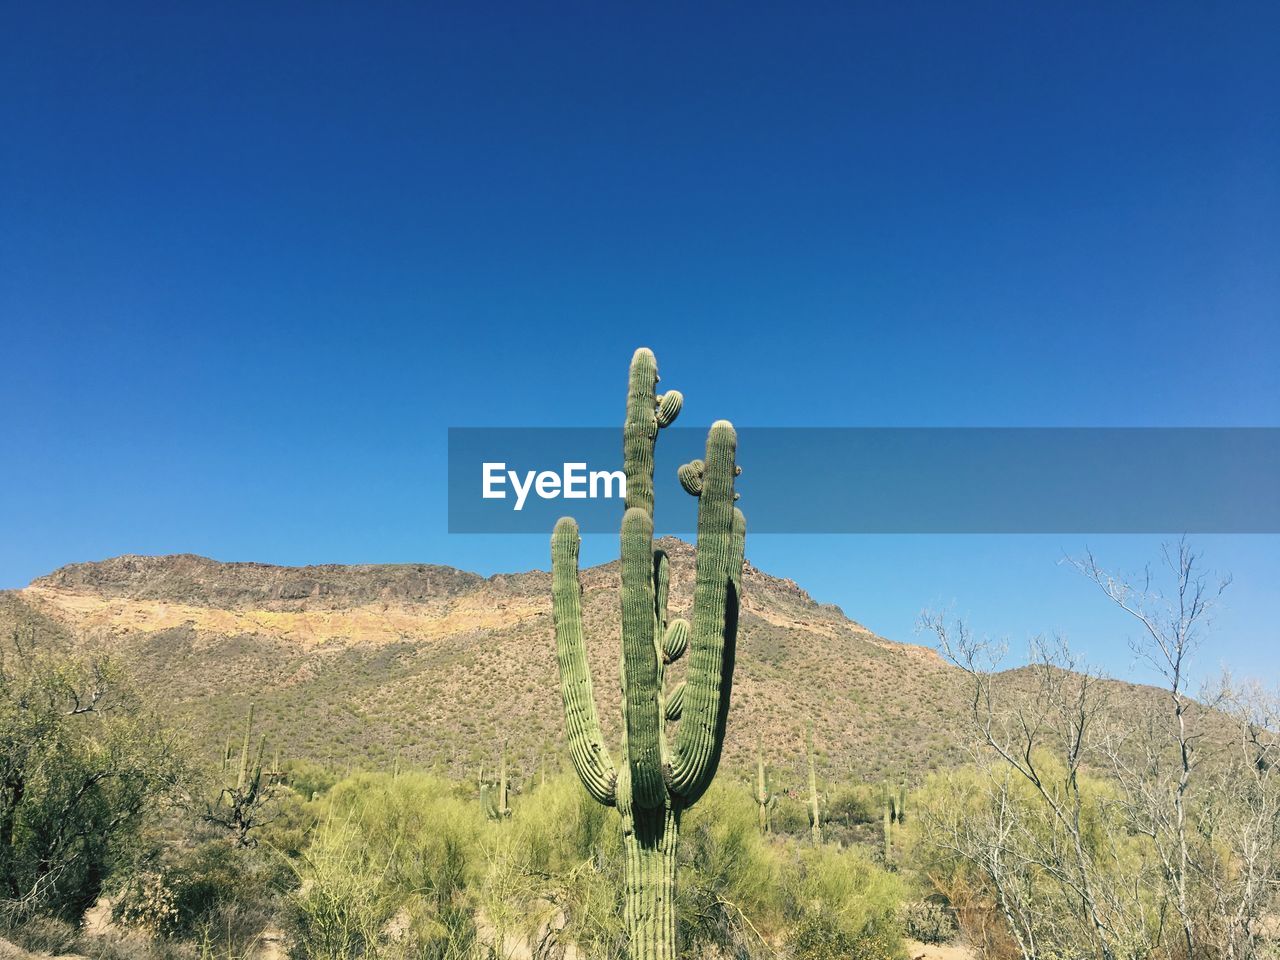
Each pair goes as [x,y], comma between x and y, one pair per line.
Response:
[892,480]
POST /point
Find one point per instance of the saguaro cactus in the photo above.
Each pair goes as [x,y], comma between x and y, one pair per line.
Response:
[659,776]
[895,812]
[815,809]
[765,799]
[888,829]
[240,807]
[504,809]
[493,797]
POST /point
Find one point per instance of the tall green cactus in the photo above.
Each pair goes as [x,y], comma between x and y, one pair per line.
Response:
[765,799]
[493,797]
[887,827]
[504,809]
[660,776]
[815,809]
[240,807]
[895,813]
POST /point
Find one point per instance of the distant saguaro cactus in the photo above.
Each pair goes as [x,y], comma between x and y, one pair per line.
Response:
[493,797]
[894,814]
[242,807]
[765,799]
[659,776]
[887,827]
[815,809]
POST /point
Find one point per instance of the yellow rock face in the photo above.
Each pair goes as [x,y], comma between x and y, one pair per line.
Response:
[374,623]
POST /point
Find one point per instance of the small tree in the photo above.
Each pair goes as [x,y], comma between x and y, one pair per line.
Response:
[80,761]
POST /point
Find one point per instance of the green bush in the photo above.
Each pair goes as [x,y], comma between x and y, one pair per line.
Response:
[399,849]
[826,938]
[844,906]
[309,780]
[791,817]
[854,804]
[728,876]
[80,762]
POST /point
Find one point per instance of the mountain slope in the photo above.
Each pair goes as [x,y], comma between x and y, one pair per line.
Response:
[354,664]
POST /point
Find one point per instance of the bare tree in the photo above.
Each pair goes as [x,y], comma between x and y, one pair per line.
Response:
[1049,866]
[1171,631]
[1148,826]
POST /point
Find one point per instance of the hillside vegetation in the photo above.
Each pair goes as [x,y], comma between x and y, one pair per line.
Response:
[358,664]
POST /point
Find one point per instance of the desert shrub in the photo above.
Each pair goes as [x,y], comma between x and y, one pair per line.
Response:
[854,804]
[843,906]
[214,893]
[346,899]
[146,902]
[389,849]
[309,779]
[928,921]
[44,935]
[825,938]
[727,876]
[81,760]
[552,873]
[790,817]
[975,817]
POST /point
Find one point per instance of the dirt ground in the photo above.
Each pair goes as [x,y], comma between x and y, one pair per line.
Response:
[933,951]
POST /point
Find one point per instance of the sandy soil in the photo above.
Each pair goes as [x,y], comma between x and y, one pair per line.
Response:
[933,951]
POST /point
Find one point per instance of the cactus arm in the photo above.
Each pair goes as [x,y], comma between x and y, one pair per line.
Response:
[675,701]
[640,431]
[721,536]
[815,809]
[587,749]
[255,781]
[675,641]
[640,671]
[661,587]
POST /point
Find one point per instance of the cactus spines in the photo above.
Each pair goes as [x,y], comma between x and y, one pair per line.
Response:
[815,809]
[690,475]
[658,776]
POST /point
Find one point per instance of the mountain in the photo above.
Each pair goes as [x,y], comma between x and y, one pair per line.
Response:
[356,664]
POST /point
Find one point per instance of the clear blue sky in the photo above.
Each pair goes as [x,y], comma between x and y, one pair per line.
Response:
[254,259]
